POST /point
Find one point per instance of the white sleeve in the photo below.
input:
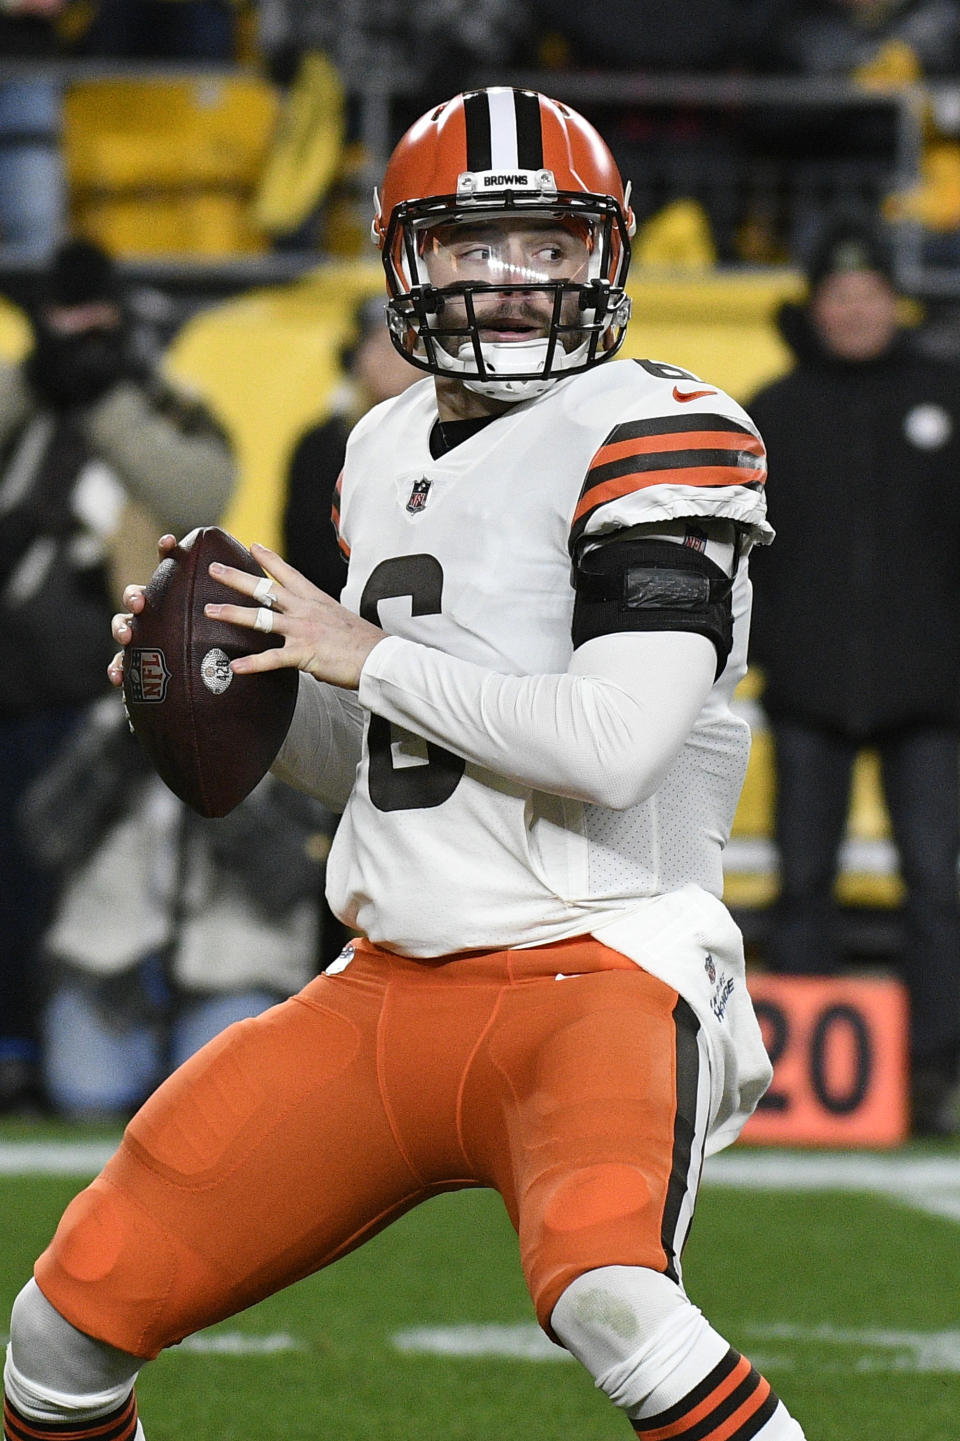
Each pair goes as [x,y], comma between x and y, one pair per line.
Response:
[604,732]
[322,749]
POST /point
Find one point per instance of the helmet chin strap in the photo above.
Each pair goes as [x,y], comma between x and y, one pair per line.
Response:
[511,391]
[511,355]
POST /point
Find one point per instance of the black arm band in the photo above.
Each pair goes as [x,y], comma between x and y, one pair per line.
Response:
[652,585]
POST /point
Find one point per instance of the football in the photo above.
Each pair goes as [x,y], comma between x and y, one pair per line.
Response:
[210,734]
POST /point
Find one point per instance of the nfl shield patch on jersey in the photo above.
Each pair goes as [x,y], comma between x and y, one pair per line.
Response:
[418,495]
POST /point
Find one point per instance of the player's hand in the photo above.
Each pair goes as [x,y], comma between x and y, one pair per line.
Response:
[320,636]
[133,602]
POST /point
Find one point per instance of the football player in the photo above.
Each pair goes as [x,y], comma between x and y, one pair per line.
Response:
[522,706]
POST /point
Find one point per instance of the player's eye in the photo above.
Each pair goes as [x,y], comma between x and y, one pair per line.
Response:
[472,250]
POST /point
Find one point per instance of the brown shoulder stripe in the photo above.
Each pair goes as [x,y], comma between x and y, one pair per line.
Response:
[697,450]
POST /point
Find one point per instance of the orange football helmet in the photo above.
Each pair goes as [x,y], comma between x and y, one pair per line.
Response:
[504,227]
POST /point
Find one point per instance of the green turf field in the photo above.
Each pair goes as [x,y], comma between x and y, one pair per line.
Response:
[838,1275]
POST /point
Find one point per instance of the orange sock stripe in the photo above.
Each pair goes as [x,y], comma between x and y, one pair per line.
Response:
[119,1425]
[680,1426]
[733,1402]
[734,1427]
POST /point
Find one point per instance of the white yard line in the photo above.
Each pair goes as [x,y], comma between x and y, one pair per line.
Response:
[927,1183]
[880,1349]
[886,1350]
[233,1343]
[893,1350]
[239,1343]
[55,1158]
[523,1342]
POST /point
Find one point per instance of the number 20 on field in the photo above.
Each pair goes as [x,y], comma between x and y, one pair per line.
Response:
[839,1052]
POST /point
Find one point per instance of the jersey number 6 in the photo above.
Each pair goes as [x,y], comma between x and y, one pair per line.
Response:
[431,782]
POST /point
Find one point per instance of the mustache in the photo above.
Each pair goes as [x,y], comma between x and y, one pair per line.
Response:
[516,309]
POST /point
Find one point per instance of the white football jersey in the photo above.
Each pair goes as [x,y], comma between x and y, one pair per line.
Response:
[471,554]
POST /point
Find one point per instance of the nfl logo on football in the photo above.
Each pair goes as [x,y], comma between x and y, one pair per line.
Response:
[148,675]
[418,495]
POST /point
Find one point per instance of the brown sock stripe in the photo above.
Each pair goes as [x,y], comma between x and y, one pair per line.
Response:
[118,1425]
[732,1403]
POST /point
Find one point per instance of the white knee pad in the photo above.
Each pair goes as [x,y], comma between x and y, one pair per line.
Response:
[52,1369]
[632,1328]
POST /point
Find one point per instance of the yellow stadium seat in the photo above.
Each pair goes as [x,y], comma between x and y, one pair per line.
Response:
[269,361]
[717,326]
[159,166]
[15,331]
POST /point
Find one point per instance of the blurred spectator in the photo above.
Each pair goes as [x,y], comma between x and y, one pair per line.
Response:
[857,629]
[358,73]
[201,30]
[428,45]
[670,149]
[643,34]
[32,199]
[880,46]
[97,452]
[373,370]
[875,40]
[169,927]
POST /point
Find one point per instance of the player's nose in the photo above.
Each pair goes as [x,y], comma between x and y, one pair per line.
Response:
[516,267]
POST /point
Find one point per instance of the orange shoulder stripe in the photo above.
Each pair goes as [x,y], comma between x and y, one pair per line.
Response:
[718,475]
[656,444]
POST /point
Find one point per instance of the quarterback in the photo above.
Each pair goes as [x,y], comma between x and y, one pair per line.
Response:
[522,707]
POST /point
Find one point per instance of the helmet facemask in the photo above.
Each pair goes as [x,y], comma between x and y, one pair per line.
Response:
[510,293]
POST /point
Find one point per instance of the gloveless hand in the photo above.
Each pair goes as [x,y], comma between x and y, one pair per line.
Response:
[320,636]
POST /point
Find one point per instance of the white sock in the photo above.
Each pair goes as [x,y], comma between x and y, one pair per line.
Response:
[55,1374]
[658,1359]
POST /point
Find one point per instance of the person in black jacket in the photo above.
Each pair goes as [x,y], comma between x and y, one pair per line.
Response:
[372,371]
[857,629]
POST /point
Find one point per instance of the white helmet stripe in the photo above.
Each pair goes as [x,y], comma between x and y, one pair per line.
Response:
[503,129]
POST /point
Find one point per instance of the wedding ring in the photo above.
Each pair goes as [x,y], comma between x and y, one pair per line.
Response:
[264,620]
[263,594]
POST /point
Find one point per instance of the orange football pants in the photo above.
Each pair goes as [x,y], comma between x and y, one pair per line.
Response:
[549,1074]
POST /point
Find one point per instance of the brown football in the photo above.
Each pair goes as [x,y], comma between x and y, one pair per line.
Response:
[210,734]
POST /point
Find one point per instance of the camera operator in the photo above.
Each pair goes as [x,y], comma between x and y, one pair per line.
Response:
[97,452]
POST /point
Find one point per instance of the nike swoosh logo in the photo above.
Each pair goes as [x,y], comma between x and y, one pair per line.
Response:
[691,394]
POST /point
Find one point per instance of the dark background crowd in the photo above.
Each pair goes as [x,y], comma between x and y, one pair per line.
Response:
[820,137]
